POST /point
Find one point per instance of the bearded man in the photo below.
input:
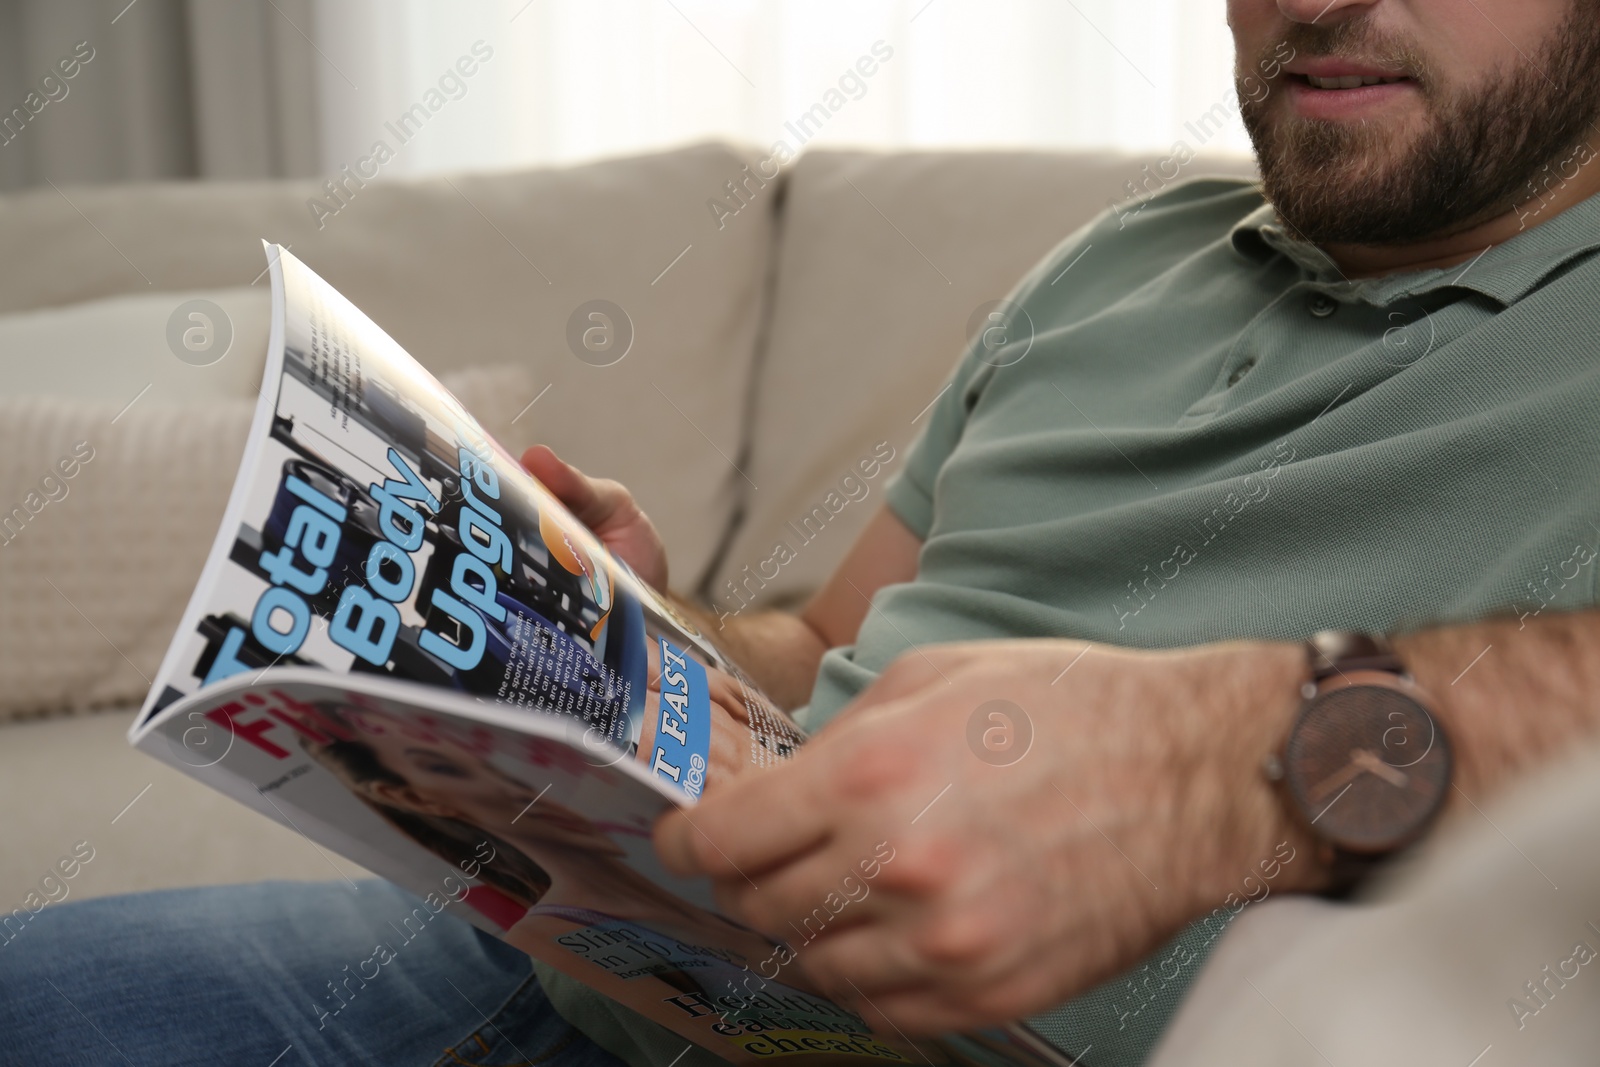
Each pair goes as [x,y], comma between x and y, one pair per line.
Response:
[1061,674]
[1359,396]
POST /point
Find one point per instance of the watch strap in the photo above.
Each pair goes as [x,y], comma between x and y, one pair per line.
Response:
[1332,653]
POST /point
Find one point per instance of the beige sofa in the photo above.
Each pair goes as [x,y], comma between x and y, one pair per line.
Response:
[772,347]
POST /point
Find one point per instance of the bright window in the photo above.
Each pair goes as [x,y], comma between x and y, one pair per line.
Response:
[576,79]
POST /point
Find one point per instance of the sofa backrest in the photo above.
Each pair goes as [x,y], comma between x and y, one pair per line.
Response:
[473,270]
[883,260]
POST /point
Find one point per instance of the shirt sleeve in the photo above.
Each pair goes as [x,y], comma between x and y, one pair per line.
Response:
[910,491]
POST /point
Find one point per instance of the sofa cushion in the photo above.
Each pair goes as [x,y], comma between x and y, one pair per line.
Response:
[150,826]
[478,270]
[883,261]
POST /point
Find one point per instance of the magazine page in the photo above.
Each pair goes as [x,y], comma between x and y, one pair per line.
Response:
[375,529]
[517,824]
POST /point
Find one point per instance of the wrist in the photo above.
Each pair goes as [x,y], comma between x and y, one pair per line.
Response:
[1468,712]
[1264,847]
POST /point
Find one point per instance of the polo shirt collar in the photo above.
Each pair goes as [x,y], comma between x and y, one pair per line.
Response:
[1505,273]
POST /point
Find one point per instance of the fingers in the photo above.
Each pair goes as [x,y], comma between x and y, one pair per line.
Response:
[860,962]
[826,891]
[726,694]
[929,1011]
[803,804]
[730,748]
[593,501]
[718,836]
[558,476]
[878,969]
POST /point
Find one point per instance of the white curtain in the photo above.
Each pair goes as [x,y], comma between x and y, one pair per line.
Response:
[263,88]
[157,89]
[567,80]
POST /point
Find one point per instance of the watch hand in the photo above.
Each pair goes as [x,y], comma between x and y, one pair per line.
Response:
[1348,773]
[1362,761]
[1370,761]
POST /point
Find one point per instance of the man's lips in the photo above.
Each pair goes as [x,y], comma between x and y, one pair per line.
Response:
[1329,68]
[1337,89]
[1349,81]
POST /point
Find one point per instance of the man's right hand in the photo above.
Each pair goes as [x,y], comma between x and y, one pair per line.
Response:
[607,508]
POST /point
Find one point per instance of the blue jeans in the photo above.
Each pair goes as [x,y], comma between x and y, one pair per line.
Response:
[280,974]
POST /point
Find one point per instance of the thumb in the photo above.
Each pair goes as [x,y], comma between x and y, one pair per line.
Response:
[675,842]
[569,485]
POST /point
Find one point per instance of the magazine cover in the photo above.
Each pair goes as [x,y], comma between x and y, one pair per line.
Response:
[403,647]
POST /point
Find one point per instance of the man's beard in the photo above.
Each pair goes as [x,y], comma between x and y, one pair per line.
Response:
[1334,182]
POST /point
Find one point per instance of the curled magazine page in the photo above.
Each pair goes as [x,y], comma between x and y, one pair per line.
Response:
[376,529]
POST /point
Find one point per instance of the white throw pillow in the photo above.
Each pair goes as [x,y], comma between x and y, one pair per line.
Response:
[163,348]
[107,514]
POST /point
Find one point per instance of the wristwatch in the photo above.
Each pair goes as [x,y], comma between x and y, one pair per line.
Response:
[1366,765]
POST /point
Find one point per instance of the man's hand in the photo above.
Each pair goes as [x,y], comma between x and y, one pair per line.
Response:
[736,748]
[1019,877]
[607,508]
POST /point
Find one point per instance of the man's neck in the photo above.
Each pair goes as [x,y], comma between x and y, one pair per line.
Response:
[1459,246]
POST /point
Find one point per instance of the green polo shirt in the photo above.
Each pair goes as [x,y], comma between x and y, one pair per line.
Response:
[1197,429]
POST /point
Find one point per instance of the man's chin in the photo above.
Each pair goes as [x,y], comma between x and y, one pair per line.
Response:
[1318,202]
[1336,184]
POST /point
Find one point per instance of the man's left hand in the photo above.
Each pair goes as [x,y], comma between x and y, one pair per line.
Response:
[1038,845]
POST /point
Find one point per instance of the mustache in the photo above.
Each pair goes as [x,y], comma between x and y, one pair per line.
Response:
[1358,41]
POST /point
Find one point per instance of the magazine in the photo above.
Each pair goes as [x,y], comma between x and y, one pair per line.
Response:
[403,647]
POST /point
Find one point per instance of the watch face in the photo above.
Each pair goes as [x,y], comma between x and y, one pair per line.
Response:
[1368,766]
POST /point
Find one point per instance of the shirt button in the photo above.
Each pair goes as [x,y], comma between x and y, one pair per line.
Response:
[1322,305]
[1240,371]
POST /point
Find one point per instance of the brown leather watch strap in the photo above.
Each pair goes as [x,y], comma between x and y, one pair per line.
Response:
[1335,652]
